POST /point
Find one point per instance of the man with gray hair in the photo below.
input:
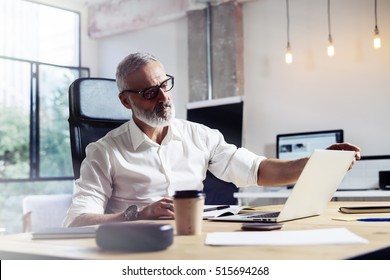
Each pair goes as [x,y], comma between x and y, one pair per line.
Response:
[132,172]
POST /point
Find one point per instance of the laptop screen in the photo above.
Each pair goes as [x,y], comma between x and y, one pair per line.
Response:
[298,145]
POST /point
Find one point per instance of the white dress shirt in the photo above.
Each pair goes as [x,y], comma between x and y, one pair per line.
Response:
[125,167]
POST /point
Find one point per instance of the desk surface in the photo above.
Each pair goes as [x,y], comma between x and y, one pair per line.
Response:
[193,247]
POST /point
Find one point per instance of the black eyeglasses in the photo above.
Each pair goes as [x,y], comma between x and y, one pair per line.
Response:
[151,92]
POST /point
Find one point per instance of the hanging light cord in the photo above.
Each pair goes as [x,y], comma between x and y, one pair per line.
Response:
[329,28]
[376,17]
[288,24]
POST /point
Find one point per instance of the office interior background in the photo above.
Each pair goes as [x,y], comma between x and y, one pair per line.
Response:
[348,91]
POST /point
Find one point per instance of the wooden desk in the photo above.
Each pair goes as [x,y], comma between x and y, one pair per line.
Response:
[192,247]
[338,194]
[280,196]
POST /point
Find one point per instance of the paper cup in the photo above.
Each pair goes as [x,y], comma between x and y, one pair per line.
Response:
[188,212]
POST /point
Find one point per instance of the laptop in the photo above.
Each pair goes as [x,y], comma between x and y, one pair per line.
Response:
[312,192]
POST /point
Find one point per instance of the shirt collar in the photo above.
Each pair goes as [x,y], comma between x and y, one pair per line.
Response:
[138,137]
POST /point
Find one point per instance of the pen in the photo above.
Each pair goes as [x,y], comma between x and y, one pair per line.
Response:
[216,208]
[374,220]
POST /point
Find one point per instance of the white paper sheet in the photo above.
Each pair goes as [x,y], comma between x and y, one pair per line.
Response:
[285,238]
[215,213]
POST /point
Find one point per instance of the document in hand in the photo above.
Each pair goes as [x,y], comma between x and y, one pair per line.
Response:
[229,211]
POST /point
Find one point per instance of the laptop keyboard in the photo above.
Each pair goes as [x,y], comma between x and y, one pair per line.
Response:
[266,215]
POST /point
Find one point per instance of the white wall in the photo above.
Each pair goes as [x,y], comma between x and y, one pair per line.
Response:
[349,91]
[168,42]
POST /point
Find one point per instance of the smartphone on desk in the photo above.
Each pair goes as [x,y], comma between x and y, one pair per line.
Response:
[261,226]
[365,209]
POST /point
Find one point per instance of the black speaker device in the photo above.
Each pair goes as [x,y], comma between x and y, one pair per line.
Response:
[384,180]
[134,237]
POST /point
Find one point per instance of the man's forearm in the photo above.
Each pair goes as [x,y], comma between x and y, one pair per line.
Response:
[275,172]
[95,219]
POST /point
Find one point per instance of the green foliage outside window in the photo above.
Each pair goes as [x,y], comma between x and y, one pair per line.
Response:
[14,143]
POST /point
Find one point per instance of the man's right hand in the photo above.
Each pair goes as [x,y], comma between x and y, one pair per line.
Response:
[161,208]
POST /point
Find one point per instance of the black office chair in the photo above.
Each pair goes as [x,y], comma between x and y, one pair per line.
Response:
[94,110]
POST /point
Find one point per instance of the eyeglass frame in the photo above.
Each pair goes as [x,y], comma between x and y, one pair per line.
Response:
[142,92]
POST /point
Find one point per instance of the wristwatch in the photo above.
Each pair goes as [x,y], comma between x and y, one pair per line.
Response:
[131,213]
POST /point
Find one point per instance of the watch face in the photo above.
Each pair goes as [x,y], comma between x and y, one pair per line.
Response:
[131,213]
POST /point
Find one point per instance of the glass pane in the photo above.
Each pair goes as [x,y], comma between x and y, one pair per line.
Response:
[55,153]
[14,118]
[50,34]
[12,195]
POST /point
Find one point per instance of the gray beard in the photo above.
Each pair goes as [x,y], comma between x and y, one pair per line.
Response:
[157,118]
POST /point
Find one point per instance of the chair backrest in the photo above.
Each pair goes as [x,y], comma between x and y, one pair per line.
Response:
[43,211]
[94,110]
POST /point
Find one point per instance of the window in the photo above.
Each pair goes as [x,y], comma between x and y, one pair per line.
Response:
[38,32]
[39,59]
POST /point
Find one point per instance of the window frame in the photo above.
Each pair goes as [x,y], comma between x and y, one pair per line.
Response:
[34,125]
[34,135]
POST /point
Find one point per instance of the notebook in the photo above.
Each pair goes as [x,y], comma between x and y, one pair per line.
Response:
[65,233]
[312,192]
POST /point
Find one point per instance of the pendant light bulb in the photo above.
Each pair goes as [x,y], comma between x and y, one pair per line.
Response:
[330,40]
[330,47]
[288,57]
[377,39]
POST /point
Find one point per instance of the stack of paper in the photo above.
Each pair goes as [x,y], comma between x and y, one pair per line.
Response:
[285,238]
[64,233]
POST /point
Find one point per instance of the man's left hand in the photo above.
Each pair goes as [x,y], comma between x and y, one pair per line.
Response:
[346,147]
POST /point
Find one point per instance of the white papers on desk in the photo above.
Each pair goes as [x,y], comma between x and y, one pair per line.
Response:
[230,210]
[65,233]
[284,238]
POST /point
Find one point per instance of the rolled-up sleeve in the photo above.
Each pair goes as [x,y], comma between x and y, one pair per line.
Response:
[93,188]
[237,165]
[243,168]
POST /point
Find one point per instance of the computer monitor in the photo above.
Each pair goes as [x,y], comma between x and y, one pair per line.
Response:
[302,144]
[365,173]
